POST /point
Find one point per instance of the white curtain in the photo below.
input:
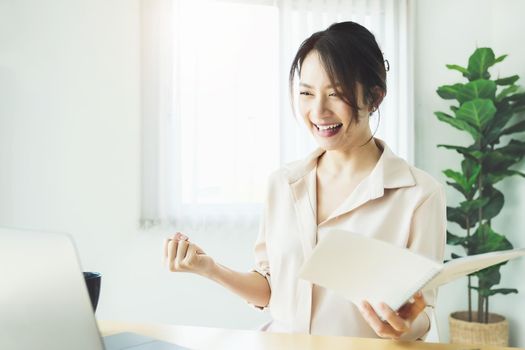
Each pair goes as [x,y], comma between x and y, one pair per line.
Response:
[215,105]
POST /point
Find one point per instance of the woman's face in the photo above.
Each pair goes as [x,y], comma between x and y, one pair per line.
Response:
[326,115]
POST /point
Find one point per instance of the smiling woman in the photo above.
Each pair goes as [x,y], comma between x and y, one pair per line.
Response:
[342,76]
[349,73]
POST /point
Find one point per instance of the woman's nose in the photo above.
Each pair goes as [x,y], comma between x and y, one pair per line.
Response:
[319,106]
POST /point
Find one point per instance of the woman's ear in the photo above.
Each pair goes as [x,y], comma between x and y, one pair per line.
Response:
[376,97]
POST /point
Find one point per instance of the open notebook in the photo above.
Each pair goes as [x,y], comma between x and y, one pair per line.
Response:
[361,268]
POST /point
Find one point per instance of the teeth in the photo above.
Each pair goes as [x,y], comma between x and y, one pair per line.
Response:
[326,127]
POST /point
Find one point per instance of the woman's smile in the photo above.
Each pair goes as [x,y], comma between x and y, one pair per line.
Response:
[327,130]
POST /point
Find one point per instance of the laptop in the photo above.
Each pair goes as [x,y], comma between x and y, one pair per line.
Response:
[44,303]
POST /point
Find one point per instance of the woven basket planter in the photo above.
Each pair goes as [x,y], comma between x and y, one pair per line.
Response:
[496,332]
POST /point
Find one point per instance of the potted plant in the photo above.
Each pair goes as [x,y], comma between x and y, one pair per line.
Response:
[489,110]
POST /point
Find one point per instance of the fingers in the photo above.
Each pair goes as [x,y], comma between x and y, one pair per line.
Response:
[180,236]
[182,248]
[413,308]
[390,316]
[165,248]
[190,256]
[419,302]
[396,323]
[186,256]
[176,237]
[170,248]
[172,253]
[382,329]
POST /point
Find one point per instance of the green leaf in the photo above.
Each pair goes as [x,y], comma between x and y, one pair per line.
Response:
[514,148]
[460,69]
[458,188]
[497,177]
[515,172]
[500,58]
[471,168]
[468,165]
[473,205]
[498,160]
[459,217]
[495,202]
[500,120]
[477,113]
[508,80]
[502,291]
[452,239]
[517,109]
[470,152]
[518,127]
[479,63]
[458,124]
[487,278]
[507,91]
[482,89]
[519,97]
[476,169]
[449,92]
[462,184]
[456,176]
[486,240]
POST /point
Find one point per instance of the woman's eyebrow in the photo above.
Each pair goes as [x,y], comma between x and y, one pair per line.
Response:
[311,87]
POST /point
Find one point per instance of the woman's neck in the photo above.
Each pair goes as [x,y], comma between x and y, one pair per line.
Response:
[350,162]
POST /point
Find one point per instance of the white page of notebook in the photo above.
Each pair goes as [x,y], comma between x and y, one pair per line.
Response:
[469,264]
[361,268]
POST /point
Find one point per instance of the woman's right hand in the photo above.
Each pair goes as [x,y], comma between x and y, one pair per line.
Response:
[185,256]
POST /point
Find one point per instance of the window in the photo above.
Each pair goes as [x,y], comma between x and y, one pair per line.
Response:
[227,101]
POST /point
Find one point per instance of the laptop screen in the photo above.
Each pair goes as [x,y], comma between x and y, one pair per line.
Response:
[43,299]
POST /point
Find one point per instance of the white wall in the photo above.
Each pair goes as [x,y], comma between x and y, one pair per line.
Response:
[70,149]
[70,159]
[448,31]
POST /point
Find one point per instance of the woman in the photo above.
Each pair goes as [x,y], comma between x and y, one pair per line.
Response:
[353,181]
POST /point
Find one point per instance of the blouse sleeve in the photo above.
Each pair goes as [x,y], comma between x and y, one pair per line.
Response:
[428,237]
[262,265]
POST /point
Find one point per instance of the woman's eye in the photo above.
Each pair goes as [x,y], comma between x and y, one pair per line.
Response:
[304,93]
[333,94]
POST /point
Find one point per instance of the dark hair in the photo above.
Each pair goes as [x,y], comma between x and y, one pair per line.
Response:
[350,54]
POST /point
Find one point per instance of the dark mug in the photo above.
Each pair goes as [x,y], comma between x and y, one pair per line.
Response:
[93,286]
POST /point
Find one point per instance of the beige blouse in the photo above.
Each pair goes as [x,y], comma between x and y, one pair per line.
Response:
[396,202]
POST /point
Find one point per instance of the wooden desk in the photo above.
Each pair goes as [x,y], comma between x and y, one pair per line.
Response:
[216,338]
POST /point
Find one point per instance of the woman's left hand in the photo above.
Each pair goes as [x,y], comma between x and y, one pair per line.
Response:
[396,323]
